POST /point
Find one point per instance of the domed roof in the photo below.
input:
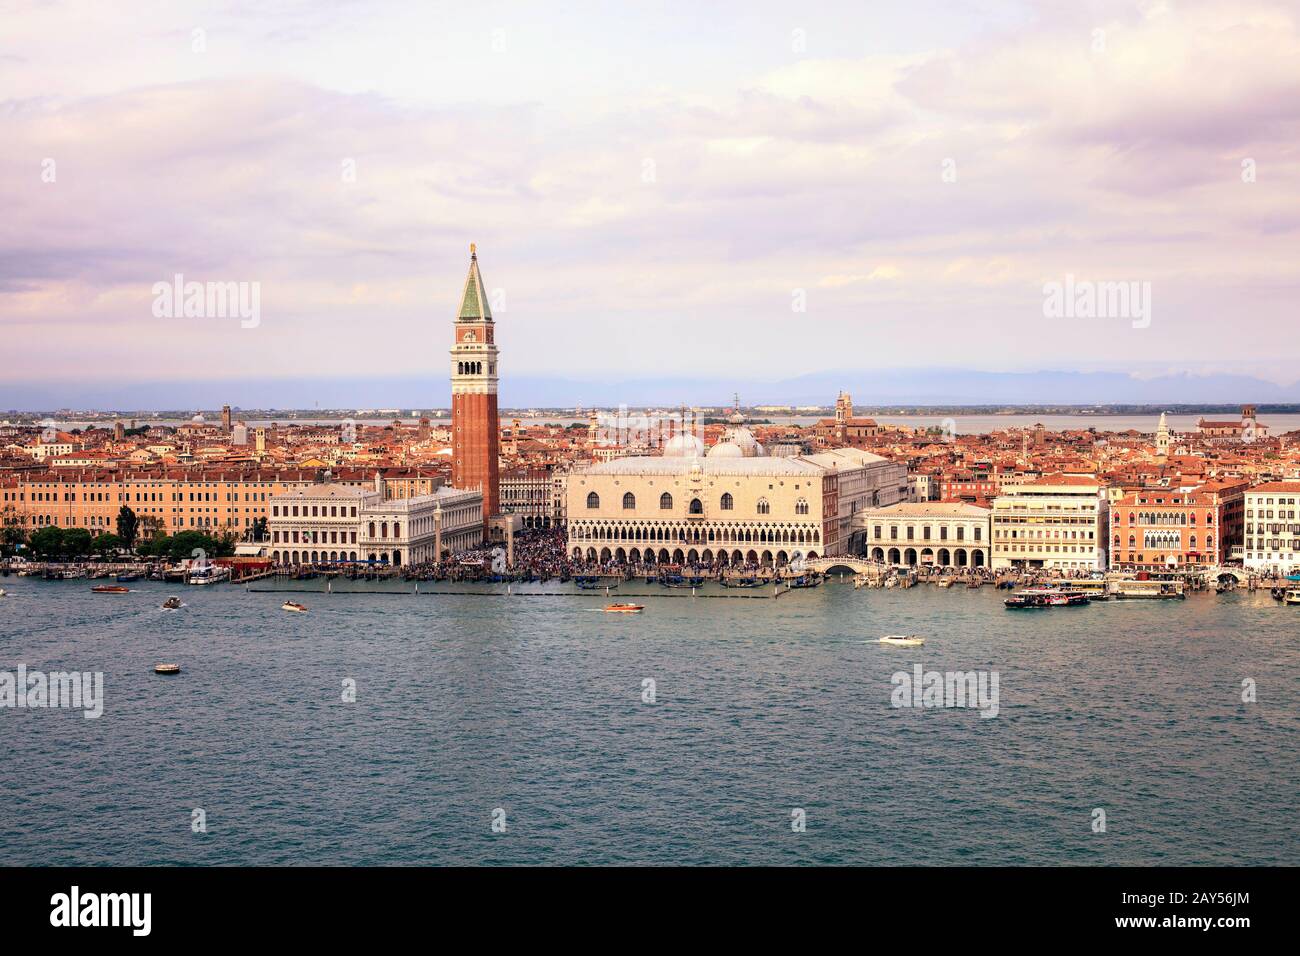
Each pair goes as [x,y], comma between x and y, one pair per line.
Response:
[726,449]
[737,443]
[683,445]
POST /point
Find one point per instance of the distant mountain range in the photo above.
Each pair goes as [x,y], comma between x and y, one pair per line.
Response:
[881,387]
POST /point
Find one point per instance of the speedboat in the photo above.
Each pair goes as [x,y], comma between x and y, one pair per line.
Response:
[293,606]
[902,640]
[110,589]
[624,608]
[172,604]
[945,582]
[167,668]
[2,592]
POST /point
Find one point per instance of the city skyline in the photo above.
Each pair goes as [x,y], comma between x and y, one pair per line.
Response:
[881,189]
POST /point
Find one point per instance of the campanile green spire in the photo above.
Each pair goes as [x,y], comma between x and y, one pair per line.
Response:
[474,301]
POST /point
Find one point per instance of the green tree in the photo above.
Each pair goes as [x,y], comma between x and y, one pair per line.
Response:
[11,537]
[127,526]
[76,542]
[184,544]
[158,546]
[106,544]
[47,542]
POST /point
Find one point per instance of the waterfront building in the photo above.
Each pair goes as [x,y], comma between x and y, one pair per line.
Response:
[330,522]
[732,506]
[173,500]
[1272,528]
[1164,529]
[1056,522]
[475,425]
[929,534]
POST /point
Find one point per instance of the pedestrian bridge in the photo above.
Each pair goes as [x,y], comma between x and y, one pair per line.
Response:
[1240,575]
[845,562]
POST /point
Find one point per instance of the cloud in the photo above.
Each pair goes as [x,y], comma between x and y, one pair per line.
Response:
[648,225]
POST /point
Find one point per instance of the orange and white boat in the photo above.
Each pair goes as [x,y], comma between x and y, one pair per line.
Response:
[624,608]
[293,606]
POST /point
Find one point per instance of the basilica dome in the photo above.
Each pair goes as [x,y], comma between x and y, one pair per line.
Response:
[737,443]
[683,445]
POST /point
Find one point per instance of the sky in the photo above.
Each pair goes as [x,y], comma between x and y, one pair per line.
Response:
[743,192]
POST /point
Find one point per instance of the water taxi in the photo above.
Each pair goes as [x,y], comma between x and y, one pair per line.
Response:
[902,640]
[2,592]
[172,603]
[167,668]
[945,582]
[208,574]
[1292,596]
[1045,597]
[110,589]
[126,577]
[1133,588]
[293,606]
[624,608]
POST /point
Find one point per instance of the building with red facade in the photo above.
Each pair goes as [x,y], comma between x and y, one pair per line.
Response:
[1167,528]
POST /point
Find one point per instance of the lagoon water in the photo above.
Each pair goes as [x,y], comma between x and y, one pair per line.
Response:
[470,702]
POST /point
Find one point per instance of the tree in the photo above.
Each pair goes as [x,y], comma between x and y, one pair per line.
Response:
[76,542]
[105,544]
[11,537]
[47,542]
[127,526]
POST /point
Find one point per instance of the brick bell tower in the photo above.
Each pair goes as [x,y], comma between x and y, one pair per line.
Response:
[475,434]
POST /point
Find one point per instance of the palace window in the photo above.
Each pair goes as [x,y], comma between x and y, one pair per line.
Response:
[593,500]
[801,507]
[697,508]
[727,501]
[763,507]
[629,501]
[665,502]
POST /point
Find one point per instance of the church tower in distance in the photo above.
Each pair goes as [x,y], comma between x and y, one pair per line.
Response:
[475,434]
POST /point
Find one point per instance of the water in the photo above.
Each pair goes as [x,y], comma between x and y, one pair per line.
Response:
[966,424]
[468,703]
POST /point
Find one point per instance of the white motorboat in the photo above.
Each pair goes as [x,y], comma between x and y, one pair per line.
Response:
[293,606]
[902,640]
